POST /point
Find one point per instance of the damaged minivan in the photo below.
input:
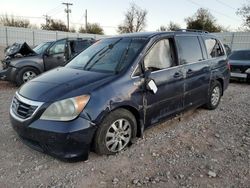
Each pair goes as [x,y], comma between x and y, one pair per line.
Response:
[107,95]
[22,63]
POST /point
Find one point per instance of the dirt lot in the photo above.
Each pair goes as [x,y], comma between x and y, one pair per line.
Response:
[199,149]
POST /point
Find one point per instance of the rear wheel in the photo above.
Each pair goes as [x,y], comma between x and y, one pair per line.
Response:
[25,74]
[214,95]
[115,132]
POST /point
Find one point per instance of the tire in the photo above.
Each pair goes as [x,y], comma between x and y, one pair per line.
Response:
[214,96]
[109,141]
[25,74]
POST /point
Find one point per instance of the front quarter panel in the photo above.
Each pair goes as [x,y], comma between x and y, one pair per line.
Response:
[124,92]
[35,61]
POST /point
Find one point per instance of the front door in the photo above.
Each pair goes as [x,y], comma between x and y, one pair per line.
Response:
[55,55]
[168,76]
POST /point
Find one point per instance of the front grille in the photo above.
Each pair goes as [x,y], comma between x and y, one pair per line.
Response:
[22,109]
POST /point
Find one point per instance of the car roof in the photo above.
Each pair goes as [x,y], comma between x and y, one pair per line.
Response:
[155,33]
[76,38]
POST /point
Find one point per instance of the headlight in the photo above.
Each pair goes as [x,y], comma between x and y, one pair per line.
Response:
[65,110]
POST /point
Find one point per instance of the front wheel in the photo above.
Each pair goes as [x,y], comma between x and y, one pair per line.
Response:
[25,74]
[214,95]
[115,132]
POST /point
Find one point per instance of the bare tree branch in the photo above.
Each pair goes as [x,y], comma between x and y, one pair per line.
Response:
[135,20]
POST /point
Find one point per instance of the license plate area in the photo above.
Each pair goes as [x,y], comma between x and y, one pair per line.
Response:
[238,75]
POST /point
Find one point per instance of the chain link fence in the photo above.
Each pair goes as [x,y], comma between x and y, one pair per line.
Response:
[235,40]
[10,35]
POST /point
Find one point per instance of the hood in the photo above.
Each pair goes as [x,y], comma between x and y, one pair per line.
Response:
[18,50]
[61,83]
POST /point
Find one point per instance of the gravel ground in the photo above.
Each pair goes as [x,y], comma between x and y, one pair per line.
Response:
[200,148]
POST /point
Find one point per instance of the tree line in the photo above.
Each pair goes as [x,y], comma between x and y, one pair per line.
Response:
[135,20]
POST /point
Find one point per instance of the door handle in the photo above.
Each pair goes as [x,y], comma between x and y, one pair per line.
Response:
[178,74]
[190,71]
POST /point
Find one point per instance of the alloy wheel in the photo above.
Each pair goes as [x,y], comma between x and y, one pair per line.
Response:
[215,98]
[28,75]
[118,135]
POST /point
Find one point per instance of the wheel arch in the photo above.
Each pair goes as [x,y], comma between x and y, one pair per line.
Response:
[23,64]
[220,80]
[137,116]
[135,112]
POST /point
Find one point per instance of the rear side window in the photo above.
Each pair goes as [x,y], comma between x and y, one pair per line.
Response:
[160,56]
[189,49]
[79,46]
[214,49]
[240,55]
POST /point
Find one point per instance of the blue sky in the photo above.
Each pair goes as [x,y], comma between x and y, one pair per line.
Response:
[111,13]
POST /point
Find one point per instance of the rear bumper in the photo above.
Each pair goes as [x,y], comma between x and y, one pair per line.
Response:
[245,75]
[64,140]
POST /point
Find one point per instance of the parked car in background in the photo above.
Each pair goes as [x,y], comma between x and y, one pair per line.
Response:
[240,64]
[22,64]
[108,94]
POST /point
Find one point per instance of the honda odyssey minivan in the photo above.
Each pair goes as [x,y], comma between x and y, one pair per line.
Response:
[107,95]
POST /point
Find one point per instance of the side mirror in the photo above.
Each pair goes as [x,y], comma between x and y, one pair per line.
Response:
[46,53]
[152,86]
[147,74]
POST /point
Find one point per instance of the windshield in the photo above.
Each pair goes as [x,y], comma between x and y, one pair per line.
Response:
[41,47]
[108,55]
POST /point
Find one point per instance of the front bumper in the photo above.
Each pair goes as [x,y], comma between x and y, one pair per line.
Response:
[64,140]
[8,74]
[3,74]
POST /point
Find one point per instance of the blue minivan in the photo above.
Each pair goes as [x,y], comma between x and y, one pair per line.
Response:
[107,95]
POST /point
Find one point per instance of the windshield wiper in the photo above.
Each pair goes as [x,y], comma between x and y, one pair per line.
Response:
[110,46]
[84,68]
[123,57]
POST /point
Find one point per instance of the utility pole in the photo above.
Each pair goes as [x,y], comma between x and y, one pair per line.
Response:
[46,19]
[86,20]
[67,10]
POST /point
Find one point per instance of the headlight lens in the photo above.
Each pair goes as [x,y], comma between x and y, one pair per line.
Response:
[65,110]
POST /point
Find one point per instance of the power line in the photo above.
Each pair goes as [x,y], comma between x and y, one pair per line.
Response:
[56,12]
[54,9]
[225,4]
[199,5]
[105,26]
[27,17]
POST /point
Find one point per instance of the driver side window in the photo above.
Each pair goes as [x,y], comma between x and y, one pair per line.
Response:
[58,47]
[160,56]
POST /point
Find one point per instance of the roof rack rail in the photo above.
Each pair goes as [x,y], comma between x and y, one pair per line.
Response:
[192,30]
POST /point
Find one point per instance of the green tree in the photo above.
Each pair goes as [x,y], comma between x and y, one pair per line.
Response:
[12,21]
[135,20]
[203,20]
[55,25]
[93,28]
[244,12]
[170,27]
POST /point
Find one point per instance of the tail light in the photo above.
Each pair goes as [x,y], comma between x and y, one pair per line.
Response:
[228,65]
